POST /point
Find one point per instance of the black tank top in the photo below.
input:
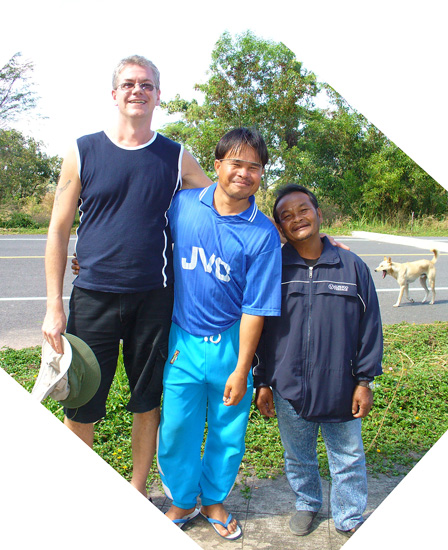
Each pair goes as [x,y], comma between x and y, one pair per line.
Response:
[123,240]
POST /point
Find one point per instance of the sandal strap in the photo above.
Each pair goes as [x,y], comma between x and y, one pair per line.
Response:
[225,525]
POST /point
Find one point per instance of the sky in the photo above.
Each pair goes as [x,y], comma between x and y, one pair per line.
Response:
[385,58]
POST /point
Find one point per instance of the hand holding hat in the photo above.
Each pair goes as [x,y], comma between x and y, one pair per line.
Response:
[72,378]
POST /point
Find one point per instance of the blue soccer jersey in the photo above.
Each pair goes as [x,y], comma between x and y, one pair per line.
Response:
[223,265]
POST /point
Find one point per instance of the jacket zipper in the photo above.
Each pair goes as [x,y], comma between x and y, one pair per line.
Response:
[308,342]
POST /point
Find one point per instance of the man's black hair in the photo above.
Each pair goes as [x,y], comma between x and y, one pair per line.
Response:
[235,140]
[292,188]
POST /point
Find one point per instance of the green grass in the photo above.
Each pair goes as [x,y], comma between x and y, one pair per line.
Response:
[410,410]
[29,230]
[23,231]
[409,415]
[424,227]
[112,434]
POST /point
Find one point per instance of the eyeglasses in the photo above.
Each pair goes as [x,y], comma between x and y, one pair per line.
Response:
[238,162]
[144,86]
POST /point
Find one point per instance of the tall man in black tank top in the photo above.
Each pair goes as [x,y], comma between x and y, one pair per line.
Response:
[129,169]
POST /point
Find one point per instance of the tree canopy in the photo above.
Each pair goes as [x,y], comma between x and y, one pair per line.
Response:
[350,163]
[253,82]
[335,151]
[25,170]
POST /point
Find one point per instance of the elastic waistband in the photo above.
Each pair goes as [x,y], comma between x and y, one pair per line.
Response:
[213,338]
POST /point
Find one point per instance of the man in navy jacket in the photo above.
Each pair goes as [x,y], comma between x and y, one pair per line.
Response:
[320,357]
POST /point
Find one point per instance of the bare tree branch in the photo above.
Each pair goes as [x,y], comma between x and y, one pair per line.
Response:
[16,94]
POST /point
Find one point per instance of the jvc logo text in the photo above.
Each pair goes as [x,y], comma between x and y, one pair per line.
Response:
[222,269]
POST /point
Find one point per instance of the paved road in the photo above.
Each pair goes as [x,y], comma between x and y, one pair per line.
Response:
[22,289]
[22,285]
[373,252]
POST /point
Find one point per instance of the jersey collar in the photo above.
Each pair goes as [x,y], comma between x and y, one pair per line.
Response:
[206,197]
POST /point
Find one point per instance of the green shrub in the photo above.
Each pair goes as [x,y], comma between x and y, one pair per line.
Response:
[18,220]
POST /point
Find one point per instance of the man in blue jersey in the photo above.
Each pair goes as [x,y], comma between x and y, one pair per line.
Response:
[123,181]
[319,357]
[227,279]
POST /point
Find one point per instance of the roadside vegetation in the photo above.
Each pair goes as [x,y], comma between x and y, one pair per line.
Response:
[314,137]
[32,217]
[410,408]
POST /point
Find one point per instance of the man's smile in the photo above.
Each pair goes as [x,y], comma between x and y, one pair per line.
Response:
[243,183]
[300,226]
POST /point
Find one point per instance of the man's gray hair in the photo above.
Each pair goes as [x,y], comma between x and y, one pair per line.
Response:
[136,60]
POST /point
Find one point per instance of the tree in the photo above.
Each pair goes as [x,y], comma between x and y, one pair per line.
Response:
[395,183]
[25,171]
[16,95]
[336,151]
[350,163]
[253,82]
[332,155]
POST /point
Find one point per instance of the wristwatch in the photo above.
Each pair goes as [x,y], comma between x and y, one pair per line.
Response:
[364,384]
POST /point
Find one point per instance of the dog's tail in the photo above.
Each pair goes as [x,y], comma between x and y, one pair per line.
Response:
[436,255]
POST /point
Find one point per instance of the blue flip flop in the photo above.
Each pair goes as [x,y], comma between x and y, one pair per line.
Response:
[182,522]
[231,536]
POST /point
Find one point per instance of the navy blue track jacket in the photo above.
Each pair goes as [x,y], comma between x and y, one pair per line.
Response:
[329,334]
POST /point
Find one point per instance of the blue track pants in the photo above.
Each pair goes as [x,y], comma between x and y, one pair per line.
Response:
[193,386]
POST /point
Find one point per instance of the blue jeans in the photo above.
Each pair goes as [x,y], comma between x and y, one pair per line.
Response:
[346,460]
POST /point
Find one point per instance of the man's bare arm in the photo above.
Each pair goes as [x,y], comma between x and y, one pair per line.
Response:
[250,332]
[64,209]
[192,174]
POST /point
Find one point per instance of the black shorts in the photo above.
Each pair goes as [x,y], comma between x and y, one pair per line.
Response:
[142,320]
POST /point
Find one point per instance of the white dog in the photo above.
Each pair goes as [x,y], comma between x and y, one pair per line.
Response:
[407,273]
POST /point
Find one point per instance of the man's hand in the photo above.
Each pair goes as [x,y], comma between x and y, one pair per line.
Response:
[75,265]
[362,401]
[53,326]
[264,400]
[335,243]
[236,387]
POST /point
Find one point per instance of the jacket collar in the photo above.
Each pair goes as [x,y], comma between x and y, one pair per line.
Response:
[329,256]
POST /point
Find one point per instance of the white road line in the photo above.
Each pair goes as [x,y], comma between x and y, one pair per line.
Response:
[29,239]
[420,289]
[406,241]
[14,239]
[37,298]
[25,257]
[30,299]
